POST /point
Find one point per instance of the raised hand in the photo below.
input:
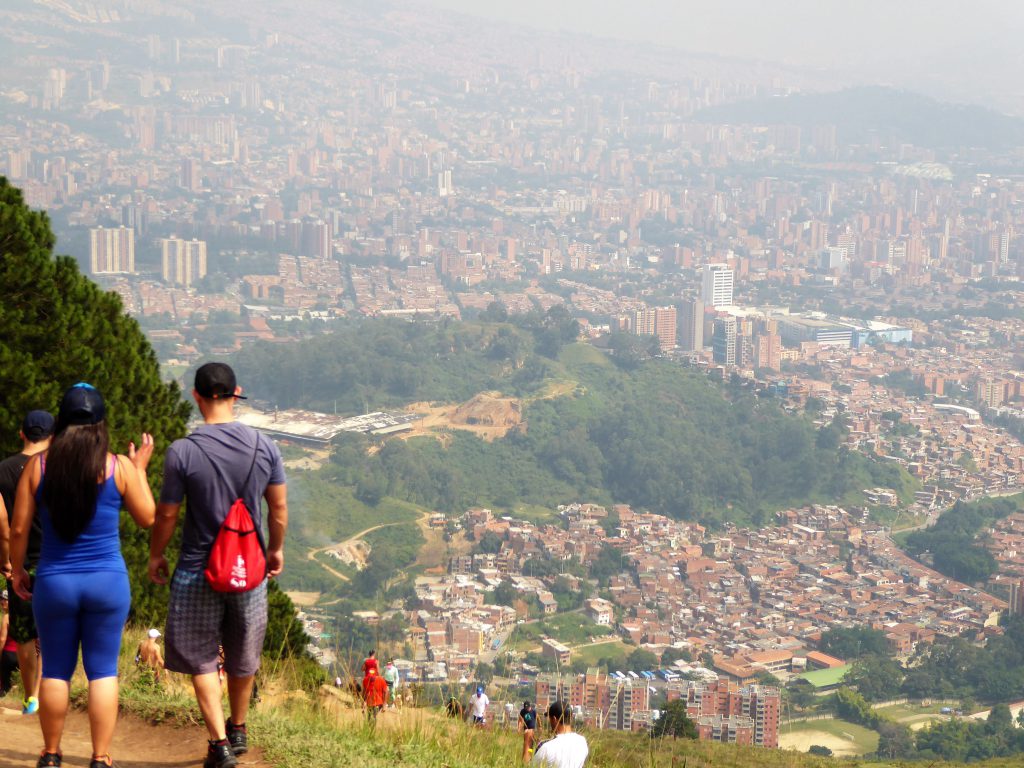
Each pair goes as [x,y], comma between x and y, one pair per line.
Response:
[140,456]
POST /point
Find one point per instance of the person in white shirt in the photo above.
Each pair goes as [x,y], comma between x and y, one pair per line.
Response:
[478,706]
[567,749]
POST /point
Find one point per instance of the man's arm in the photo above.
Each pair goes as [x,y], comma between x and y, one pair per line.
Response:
[277,522]
[163,529]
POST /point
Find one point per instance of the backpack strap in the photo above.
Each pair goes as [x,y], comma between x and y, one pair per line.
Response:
[227,484]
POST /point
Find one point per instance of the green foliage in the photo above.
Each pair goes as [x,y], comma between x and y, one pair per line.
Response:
[285,636]
[956,668]
[820,751]
[951,541]
[801,694]
[972,740]
[853,642]
[851,705]
[674,722]
[58,327]
[670,655]
[657,437]
[895,741]
[642,659]
[876,678]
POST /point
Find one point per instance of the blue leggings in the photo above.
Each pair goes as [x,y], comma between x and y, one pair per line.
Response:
[81,608]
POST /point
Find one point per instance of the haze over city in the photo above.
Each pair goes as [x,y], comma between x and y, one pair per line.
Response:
[662,357]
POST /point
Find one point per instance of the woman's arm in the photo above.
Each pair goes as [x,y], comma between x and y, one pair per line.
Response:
[24,512]
[138,496]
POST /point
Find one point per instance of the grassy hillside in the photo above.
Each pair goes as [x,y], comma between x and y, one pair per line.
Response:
[297,725]
[656,436]
[299,733]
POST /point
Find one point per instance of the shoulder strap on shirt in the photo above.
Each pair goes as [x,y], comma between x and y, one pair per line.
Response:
[220,473]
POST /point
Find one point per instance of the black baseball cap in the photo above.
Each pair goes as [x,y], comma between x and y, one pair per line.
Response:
[558,711]
[82,404]
[37,425]
[215,381]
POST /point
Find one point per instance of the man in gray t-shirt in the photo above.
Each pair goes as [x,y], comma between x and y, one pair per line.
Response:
[218,463]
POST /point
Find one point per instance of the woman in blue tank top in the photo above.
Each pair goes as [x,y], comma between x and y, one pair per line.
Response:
[80,597]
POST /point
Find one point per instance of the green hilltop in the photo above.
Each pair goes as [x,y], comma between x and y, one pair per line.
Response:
[651,434]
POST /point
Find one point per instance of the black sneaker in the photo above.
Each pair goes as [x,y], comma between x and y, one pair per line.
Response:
[49,760]
[102,762]
[238,738]
[219,755]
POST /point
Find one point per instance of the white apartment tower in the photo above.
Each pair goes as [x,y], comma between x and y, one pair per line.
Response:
[716,288]
[183,261]
[111,251]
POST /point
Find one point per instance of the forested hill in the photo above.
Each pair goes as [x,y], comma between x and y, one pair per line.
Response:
[653,435]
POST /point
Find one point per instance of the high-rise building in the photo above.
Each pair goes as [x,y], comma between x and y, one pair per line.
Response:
[445,187]
[729,729]
[726,699]
[657,321]
[691,325]
[723,340]
[1017,598]
[111,251]
[602,701]
[717,285]
[768,352]
[183,261]
[316,238]
[191,176]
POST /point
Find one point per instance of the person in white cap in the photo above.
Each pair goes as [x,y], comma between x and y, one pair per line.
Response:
[149,654]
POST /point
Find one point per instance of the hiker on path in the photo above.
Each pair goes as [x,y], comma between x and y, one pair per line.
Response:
[221,463]
[391,678]
[370,662]
[454,708]
[528,725]
[566,749]
[478,707]
[80,595]
[149,654]
[375,693]
[35,434]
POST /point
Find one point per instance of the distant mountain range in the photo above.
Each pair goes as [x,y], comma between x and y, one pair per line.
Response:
[893,116]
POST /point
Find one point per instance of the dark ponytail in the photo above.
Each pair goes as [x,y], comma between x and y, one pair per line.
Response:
[76,464]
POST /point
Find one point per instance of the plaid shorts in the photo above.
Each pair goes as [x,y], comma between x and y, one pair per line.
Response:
[199,620]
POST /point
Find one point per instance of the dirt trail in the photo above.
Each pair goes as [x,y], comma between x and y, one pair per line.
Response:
[136,744]
[311,555]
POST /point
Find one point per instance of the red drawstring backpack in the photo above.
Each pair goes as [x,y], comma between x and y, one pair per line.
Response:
[237,560]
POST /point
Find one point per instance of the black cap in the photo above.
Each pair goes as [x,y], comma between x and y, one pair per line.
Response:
[82,404]
[558,711]
[215,381]
[37,425]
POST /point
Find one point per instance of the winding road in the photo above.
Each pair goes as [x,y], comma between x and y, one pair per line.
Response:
[311,555]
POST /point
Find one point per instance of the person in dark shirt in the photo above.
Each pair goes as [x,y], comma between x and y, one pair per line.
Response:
[35,434]
[454,708]
[220,461]
[528,725]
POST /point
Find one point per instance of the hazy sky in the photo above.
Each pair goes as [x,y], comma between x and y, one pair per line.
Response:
[961,50]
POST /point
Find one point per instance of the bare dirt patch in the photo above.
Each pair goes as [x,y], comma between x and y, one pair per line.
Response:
[489,415]
[303,599]
[804,740]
